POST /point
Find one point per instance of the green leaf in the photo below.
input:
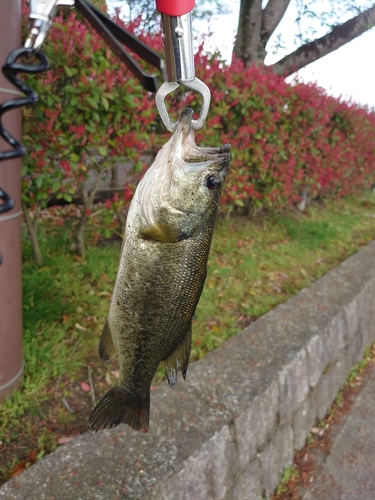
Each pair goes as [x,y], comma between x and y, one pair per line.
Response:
[105,103]
[102,151]
[138,166]
[70,89]
[92,101]
[25,169]
[70,71]
[239,203]
[103,65]
[55,187]
[67,197]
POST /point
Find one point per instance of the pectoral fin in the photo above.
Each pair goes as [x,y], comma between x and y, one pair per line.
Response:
[165,233]
[106,347]
[179,357]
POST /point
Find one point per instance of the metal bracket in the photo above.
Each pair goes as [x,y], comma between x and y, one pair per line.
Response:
[41,16]
[169,87]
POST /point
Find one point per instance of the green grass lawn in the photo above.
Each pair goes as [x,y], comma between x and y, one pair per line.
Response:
[253,266]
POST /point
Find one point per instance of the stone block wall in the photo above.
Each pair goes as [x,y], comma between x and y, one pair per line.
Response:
[231,429]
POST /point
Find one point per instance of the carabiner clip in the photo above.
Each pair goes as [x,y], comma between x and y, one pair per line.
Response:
[41,16]
[178,42]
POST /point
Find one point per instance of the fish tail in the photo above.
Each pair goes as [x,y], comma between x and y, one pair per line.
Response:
[119,406]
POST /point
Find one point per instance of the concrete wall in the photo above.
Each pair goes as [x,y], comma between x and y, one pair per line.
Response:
[231,429]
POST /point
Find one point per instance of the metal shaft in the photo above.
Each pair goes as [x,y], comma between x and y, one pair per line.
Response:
[11,356]
[178,41]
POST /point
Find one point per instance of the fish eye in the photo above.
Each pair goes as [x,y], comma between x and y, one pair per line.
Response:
[213,182]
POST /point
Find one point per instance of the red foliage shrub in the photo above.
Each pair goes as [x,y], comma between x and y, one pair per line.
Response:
[284,138]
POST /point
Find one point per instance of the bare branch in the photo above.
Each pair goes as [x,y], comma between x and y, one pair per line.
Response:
[272,14]
[31,229]
[339,36]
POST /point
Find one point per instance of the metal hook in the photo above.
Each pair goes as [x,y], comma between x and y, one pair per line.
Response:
[169,87]
[41,16]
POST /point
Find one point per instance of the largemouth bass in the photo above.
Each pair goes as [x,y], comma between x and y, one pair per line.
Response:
[162,271]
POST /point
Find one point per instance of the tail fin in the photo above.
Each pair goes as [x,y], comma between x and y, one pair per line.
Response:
[120,406]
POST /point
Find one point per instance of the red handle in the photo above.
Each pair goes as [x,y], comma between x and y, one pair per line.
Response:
[175,7]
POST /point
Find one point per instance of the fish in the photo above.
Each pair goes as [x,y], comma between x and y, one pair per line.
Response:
[162,271]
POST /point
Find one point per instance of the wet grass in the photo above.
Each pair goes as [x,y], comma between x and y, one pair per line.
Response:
[253,266]
[256,265]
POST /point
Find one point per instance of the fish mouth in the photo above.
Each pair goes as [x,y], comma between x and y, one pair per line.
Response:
[186,116]
[191,153]
[199,154]
[184,133]
[181,154]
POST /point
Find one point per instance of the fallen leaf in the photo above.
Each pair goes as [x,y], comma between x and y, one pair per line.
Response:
[317,430]
[30,460]
[212,323]
[64,439]
[85,386]
[80,327]
[108,379]
[18,469]
[276,287]
[116,374]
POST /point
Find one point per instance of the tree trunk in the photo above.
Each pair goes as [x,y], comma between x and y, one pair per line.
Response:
[114,177]
[31,229]
[88,203]
[78,234]
[248,34]
[339,36]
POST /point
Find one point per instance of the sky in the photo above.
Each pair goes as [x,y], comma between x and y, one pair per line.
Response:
[348,72]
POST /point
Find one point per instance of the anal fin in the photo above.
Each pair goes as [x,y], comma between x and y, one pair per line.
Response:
[106,347]
[178,358]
